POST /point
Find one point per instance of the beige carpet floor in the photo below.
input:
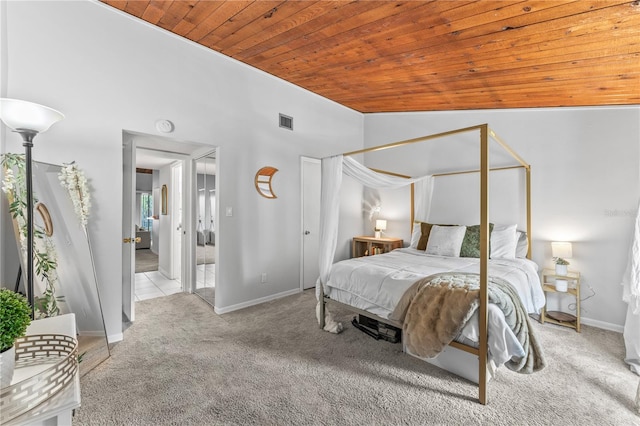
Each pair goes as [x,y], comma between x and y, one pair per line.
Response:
[146,260]
[181,364]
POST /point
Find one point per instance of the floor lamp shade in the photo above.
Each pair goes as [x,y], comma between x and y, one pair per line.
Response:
[23,115]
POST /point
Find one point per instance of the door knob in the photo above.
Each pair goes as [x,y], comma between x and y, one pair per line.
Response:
[307,232]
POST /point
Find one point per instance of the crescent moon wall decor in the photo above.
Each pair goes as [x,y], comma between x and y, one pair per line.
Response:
[263,181]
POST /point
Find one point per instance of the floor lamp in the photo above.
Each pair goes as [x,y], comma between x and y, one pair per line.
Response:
[28,119]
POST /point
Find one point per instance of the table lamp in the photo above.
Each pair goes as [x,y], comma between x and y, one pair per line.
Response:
[381,225]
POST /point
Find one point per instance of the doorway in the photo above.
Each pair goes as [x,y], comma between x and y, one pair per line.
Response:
[310,170]
[167,161]
[157,248]
[177,230]
[145,220]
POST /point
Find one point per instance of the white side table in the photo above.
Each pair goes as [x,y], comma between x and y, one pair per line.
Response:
[562,318]
[57,410]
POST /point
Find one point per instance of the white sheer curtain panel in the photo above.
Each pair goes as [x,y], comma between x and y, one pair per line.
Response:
[331,181]
[422,198]
[332,169]
[329,213]
[376,180]
[631,295]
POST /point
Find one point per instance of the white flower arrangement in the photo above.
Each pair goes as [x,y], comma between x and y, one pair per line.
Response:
[8,182]
[74,180]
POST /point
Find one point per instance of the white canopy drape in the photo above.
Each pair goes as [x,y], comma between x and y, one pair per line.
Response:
[631,295]
[332,170]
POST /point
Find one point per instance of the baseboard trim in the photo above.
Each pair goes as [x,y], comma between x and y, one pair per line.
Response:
[163,272]
[603,325]
[113,338]
[253,302]
[96,333]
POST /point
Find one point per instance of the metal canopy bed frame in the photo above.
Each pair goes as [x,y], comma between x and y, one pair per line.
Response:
[485,135]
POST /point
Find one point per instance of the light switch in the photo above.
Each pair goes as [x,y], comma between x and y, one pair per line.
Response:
[229,211]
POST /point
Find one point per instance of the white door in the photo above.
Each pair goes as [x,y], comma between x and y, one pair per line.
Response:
[310,185]
[128,222]
[176,222]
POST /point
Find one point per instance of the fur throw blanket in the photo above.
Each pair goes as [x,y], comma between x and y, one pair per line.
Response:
[434,310]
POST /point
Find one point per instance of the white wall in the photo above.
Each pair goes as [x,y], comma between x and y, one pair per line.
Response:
[108,72]
[144,182]
[585,188]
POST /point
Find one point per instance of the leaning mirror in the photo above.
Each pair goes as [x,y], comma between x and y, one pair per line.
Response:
[65,279]
[205,228]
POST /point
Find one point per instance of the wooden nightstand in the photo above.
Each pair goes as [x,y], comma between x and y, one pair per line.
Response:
[549,277]
[367,246]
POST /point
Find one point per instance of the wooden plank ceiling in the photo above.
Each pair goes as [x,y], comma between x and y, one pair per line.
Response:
[380,56]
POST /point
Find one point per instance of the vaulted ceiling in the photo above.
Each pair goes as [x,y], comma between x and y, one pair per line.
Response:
[379,56]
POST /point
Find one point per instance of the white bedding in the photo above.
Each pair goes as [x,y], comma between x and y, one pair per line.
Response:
[376,284]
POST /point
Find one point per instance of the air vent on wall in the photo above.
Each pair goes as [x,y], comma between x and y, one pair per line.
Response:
[286,121]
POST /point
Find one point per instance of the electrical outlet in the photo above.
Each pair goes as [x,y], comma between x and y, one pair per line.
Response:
[264,278]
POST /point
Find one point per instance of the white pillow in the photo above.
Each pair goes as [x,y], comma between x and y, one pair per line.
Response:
[416,234]
[503,242]
[522,246]
[446,240]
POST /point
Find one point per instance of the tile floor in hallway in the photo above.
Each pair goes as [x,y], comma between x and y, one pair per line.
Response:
[153,284]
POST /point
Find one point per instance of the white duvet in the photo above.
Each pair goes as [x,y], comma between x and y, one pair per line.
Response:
[376,284]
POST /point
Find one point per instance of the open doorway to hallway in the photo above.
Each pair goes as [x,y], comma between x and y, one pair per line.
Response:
[155,195]
[150,280]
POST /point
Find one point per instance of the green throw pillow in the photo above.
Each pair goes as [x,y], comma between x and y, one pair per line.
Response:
[471,242]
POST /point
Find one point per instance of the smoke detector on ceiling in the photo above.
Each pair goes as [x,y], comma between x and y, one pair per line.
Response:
[164,126]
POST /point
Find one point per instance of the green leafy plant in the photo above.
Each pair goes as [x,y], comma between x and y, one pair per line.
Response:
[560,261]
[15,316]
[14,186]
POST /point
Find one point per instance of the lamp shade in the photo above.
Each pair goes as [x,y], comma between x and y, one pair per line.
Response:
[561,249]
[381,224]
[24,115]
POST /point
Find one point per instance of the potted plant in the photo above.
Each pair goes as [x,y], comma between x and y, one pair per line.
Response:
[561,266]
[15,316]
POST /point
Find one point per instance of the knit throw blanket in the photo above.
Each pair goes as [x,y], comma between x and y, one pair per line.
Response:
[434,310]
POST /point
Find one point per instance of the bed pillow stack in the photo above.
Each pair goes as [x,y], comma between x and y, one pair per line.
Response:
[522,246]
[471,244]
[505,241]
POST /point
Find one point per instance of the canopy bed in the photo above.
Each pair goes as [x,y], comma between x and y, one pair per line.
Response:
[393,287]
